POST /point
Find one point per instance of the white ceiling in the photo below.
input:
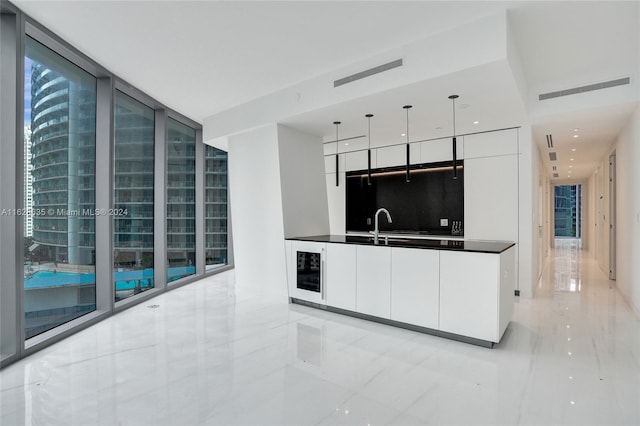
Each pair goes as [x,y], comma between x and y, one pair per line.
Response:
[207,56]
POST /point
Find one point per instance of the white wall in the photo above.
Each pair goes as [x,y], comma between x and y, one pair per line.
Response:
[304,192]
[256,211]
[628,211]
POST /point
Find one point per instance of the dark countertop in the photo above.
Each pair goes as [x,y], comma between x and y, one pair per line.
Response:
[422,243]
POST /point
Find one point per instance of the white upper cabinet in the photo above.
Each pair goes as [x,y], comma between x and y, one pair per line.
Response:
[358,160]
[491,144]
[391,156]
[441,150]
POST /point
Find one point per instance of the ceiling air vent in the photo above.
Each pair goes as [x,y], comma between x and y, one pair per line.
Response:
[366,73]
[582,89]
[553,156]
[556,175]
[549,141]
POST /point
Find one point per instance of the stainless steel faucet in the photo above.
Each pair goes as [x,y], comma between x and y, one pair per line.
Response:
[376,232]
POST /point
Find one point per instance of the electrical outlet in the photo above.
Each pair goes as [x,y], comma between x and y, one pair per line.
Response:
[368,221]
[444,222]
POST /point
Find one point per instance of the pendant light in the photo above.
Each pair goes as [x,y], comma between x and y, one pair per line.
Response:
[369,151]
[337,123]
[408,178]
[455,154]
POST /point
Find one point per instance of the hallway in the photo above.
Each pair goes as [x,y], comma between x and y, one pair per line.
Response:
[214,354]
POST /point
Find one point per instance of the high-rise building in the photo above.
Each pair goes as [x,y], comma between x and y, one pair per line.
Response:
[28,184]
[215,201]
[63,161]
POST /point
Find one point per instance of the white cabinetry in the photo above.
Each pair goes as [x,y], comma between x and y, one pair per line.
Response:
[476,293]
[441,150]
[358,160]
[491,198]
[311,247]
[341,276]
[490,144]
[415,286]
[391,156]
[373,276]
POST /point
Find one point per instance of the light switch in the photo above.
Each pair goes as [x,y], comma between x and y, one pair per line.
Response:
[444,222]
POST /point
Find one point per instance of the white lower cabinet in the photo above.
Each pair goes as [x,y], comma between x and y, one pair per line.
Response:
[415,286]
[469,294]
[341,276]
[373,277]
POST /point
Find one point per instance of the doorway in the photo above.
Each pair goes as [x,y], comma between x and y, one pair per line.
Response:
[568,211]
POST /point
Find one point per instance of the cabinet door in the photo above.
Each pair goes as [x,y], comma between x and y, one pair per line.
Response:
[441,150]
[491,198]
[392,156]
[469,292]
[341,276]
[356,161]
[373,276]
[490,144]
[415,282]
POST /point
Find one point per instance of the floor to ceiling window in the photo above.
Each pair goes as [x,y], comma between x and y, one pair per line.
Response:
[181,205]
[59,191]
[215,201]
[133,197]
[105,189]
[568,199]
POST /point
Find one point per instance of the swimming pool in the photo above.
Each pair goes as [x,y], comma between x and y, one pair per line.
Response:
[124,280]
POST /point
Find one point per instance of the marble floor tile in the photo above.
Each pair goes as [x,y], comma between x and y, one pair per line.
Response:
[214,353]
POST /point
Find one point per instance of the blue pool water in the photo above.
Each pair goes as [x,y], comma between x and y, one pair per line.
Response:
[124,280]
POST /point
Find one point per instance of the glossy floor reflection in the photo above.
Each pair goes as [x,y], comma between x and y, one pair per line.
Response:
[211,354]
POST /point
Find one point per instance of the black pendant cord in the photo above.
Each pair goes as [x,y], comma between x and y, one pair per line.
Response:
[369,152]
[408,176]
[337,123]
[454,142]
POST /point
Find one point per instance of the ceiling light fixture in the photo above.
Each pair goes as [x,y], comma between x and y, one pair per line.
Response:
[576,136]
[571,159]
[454,160]
[576,129]
[408,178]
[369,151]
[476,122]
[573,149]
[337,123]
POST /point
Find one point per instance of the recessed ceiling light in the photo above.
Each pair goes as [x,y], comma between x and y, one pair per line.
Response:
[576,136]
[403,134]
[476,122]
[570,166]
[346,143]
[571,159]
[576,129]
[573,149]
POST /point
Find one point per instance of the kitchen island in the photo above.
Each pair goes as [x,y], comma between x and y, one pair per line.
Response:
[459,289]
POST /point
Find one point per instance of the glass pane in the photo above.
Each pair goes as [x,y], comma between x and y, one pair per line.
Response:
[567,210]
[59,195]
[181,206]
[215,202]
[133,197]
